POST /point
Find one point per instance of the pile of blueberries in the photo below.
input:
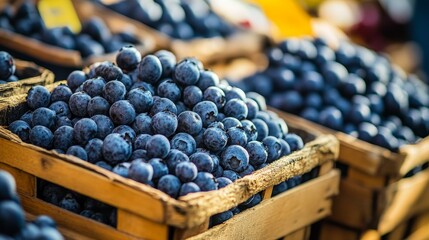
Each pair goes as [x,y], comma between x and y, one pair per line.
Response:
[181,19]
[77,203]
[12,216]
[350,89]
[94,39]
[7,68]
[174,126]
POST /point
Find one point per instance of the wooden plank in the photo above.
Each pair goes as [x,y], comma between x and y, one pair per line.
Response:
[69,220]
[372,182]
[140,227]
[77,178]
[180,234]
[416,155]
[267,193]
[25,183]
[398,233]
[300,234]
[326,167]
[402,200]
[331,231]
[281,215]
[353,207]
[419,229]
[370,235]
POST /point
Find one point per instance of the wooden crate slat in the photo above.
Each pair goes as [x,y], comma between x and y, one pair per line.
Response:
[281,215]
[26,183]
[419,228]
[408,197]
[369,181]
[72,221]
[140,227]
[301,234]
[331,231]
[76,178]
[353,206]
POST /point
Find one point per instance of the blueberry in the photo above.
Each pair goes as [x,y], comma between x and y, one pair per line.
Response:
[114,91]
[60,108]
[104,126]
[311,81]
[367,131]
[261,128]
[217,125]
[173,158]
[285,148]
[63,138]
[235,158]
[122,169]
[230,122]
[186,171]
[12,218]
[206,181]
[38,96]
[247,171]
[75,79]
[220,218]
[231,175]
[159,168]
[203,161]
[183,142]
[61,93]
[44,117]
[207,111]
[140,171]
[259,99]
[186,72]
[26,117]
[98,105]
[41,136]
[187,188]
[189,122]
[331,117]
[7,65]
[94,150]
[215,139]
[192,95]
[84,130]
[116,149]
[77,151]
[169,89]
[94,87]
[104,165]
[70,203]
[164,123]
[78,104]
[163,104]
[236,136]
[236,108]
[126,132]
[128,58]
[141,100]
[169,184]
[158,146]
[273,148]
[359,113]
[108,71]
[127,81]
[257,153]
[223,182]
[295,142]
[8,186]
[250,130]
[150,69]
[168,62]
[21,128]
[215,95]
[207,79]
[142,124]
[353,85]
[140,141]
[122,112]
[139,153]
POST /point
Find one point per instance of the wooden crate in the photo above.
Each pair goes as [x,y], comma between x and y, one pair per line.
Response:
[241,43]
[373,192]
[331,231]
[30,75]
[72,58]
[145,212]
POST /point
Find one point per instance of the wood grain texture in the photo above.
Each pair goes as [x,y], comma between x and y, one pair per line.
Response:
[281,215]
[300,234]
[419,228]
[25,182]
[331,231]
[141,227]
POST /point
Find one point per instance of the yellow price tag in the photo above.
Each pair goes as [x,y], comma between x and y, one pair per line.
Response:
[288,17]
[59,13]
